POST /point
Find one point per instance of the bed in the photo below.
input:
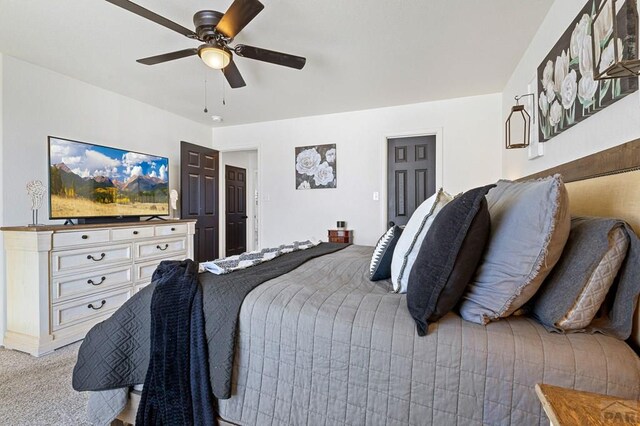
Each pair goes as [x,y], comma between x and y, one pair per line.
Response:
[324,345]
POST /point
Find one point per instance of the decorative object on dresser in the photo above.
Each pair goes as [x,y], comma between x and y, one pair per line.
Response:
[316,167]
[568,407]
[341,236]
[568,85]
[35,189]
[173,198]
[62,280]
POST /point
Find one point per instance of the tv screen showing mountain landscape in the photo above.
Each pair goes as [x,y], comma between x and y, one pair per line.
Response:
[88,180]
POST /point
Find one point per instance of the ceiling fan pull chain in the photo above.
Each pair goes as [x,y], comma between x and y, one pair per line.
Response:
[224,102]
[205,96]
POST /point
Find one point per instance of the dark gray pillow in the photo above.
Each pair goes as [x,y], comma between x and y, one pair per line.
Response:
[448,257]
[380,266]
[577,286]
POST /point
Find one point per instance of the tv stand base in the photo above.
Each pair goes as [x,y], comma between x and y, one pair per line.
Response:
[154,217]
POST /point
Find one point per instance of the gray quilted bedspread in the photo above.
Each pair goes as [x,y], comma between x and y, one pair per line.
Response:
[115,352]
[322,345]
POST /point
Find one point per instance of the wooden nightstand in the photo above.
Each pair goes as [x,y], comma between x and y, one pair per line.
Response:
[570,407]
[340,236]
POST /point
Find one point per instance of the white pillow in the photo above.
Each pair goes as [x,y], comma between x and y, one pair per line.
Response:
[411,239]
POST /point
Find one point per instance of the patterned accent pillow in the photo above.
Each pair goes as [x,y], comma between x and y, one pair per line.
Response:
[411,239]
[578,285]
[380,266]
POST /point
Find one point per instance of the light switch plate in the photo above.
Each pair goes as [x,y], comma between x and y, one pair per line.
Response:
[536,149]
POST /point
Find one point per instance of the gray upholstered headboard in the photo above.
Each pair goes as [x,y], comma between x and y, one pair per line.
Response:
[606,184]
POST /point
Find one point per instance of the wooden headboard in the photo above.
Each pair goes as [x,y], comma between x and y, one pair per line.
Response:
[605,184]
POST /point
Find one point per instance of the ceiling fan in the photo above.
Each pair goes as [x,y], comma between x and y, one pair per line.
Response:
[216,31]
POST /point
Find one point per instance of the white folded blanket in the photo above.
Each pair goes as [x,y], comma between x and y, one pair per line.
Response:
[252,258]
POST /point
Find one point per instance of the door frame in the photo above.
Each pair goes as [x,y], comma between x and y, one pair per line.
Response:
[384,158]
[257,209]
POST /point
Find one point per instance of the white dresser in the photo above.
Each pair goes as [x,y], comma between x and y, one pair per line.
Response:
[62,280]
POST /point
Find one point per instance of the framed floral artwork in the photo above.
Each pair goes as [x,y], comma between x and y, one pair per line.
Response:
[567,91]
[316,167]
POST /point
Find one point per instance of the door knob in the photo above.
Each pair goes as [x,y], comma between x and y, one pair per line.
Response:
[391,223]
[245,217]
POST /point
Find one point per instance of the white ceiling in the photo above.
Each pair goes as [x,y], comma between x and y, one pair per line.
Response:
[360,53]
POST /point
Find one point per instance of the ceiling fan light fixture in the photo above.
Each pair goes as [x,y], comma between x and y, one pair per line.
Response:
[214,56]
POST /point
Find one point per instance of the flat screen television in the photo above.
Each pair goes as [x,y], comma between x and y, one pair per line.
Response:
[95,181]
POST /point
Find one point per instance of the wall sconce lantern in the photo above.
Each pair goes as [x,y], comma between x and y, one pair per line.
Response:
[518,125]
[615,54]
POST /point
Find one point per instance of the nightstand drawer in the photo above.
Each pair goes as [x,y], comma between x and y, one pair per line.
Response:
[76,285]
[78,238]
[340,236]
[70,313]
[67,261]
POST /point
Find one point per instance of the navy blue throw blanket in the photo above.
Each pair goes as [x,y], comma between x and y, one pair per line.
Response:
[177,389]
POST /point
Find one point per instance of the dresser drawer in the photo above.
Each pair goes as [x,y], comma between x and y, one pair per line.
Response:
[160,248]
[79,238]
[120,234]
[70,313]
[144,271]
[168,230]
[76,285]
[66,261]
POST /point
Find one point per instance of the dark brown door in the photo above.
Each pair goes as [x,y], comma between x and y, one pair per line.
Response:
[411,177]
[236,210]
[199,192]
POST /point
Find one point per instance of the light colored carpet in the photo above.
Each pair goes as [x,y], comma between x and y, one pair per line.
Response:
[37,391]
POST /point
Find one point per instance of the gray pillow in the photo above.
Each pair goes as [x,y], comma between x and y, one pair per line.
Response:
[573,292]
[530,224]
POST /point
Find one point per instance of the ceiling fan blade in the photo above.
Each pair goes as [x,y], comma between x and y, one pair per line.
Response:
[152,60]
[271,56]
[152,16]
[233,76]
[239,14]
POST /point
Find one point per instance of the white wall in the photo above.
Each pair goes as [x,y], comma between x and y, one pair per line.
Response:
[38,102]
[470,130]
[247,160]
[614,125]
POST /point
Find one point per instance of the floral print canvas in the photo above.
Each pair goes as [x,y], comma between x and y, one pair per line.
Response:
[316,167]
[567,91]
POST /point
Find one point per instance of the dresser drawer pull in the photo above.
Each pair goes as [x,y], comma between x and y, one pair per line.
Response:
[135,232]
[90,305]
[173,229]
[84,237]
[94,283]
[102,255]
[166,246]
